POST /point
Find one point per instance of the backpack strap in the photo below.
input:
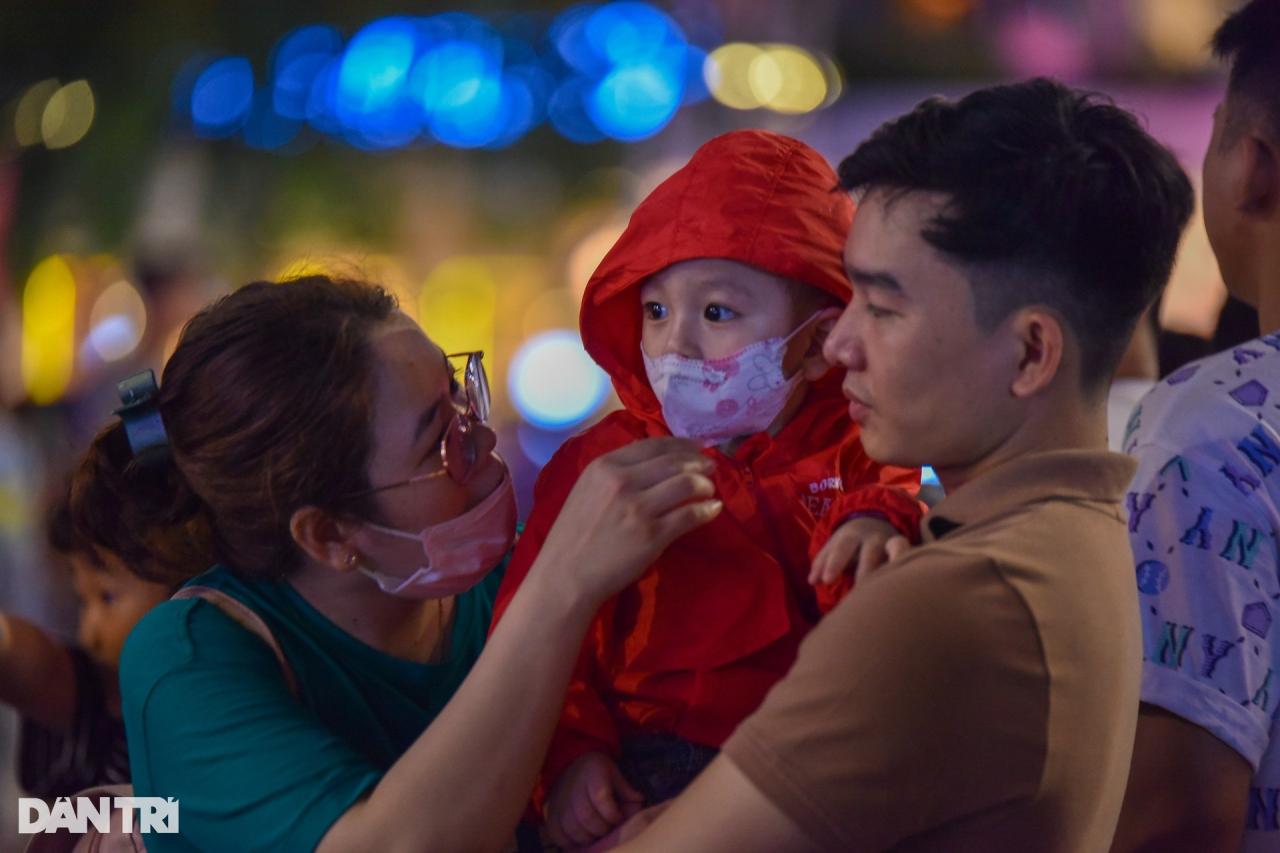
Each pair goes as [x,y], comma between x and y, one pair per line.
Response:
[245,616]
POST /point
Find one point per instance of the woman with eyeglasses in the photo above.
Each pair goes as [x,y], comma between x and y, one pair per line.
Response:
[341,464]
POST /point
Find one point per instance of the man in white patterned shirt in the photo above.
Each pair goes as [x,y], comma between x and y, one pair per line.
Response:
[1204,511]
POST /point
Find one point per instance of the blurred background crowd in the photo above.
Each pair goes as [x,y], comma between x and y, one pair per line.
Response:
[477,158]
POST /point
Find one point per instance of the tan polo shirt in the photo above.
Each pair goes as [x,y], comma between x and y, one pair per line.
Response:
[979,694]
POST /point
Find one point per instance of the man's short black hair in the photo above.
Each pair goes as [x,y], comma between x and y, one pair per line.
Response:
[1250,41]
[1057,198]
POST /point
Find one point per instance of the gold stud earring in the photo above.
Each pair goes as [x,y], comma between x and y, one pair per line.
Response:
[351,560]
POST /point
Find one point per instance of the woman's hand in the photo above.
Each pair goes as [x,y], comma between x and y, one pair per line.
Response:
[625,509]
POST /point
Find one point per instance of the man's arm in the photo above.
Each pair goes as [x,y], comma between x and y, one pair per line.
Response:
[849,752]
[1206,713]
[721,811]
[1188,791]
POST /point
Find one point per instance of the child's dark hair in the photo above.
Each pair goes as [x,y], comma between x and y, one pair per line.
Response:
[266,406]
[1056,197]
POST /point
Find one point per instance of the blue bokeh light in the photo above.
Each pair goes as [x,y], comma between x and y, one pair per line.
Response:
[554,383]
[265,128]
[520,111]
[322,100]
[568,114]
[376,65]
[635,101]
[605,69]
[695,81]
[569,35]
[221,97]
[296,61]
[626,32]
[371,100]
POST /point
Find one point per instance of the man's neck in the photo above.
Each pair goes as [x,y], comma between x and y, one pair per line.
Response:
[1269,305]
[1050,429]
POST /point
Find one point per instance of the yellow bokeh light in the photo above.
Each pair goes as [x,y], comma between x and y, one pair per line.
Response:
[48,330]
[1195,294]
[1178,31]
[588,254]
[551,309]
[27,117]
[787,80]
[834,78]
[383,270]
[458,305]
[117,321]
[727,70]
[68,115]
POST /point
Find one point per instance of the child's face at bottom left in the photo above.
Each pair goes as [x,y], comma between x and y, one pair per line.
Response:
[112,600]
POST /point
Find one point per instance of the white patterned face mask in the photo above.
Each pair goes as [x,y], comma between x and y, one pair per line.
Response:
[715,400]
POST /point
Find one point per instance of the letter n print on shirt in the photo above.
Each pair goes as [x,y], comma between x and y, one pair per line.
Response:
[1260,449]
[1173,644]
[1241,547]
[1244,482]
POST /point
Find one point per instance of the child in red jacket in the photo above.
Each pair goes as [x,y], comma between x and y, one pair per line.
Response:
[709,315]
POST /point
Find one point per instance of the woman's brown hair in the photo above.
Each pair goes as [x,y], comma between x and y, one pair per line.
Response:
[266,405]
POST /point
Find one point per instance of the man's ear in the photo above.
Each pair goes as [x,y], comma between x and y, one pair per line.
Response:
[1258,190]
[325,538]
[814,365]
[1040,341]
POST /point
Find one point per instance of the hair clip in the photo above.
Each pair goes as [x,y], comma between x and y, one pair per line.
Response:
[141,418]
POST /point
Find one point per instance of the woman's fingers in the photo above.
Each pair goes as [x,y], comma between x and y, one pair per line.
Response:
[683,519]
[650,472]
[646,450]
[661,497]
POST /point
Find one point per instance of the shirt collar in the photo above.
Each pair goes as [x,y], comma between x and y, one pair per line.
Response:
[1080,475]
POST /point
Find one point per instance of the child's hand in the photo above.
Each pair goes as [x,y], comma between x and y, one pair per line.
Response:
[589,799]
[860,545]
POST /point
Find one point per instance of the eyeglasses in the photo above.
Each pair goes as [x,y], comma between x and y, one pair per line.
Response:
[460,444]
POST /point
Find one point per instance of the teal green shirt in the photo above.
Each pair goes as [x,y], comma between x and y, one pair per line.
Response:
[211,722]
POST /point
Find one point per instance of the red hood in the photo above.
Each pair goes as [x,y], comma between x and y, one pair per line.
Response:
[749,196]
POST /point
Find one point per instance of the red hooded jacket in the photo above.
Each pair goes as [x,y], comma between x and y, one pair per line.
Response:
[693,646]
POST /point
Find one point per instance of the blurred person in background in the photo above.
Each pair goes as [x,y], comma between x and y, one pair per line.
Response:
[71,735]
[1204,509]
